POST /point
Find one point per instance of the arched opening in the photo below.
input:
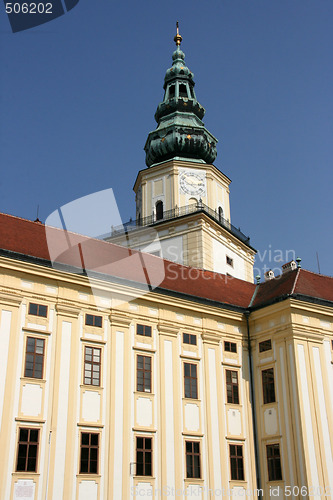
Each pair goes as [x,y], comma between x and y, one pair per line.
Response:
[182,90]
[220,214]
[172,92]
[159,210]
[193,203]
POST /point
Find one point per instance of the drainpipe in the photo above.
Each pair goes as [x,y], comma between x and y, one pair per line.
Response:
[254,415]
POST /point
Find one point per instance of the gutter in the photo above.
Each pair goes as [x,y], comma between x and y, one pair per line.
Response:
[254,414]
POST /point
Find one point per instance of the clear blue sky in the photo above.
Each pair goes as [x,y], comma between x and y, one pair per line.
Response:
[78,97]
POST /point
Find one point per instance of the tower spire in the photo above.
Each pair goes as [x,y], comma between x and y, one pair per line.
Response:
[180,131]
[178,38]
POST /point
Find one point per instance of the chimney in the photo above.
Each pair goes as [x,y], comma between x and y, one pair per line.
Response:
[269,275]
[289,266]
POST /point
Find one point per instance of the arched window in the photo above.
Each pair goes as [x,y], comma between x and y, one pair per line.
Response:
[220,214]
[159,210]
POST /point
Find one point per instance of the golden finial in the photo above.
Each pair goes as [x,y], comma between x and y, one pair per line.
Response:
[178,38]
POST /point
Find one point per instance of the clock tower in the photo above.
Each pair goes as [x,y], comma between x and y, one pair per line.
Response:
[181,194]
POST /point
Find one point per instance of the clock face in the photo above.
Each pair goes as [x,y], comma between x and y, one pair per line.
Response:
[192,183]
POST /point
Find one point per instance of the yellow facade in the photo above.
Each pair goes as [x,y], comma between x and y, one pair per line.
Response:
[63,407]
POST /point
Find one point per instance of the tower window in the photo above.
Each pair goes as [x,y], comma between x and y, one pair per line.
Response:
[220,214]
[171,91]
[159,210]
[182,90]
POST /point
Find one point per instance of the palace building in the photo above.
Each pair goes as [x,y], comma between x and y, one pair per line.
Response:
[149,364]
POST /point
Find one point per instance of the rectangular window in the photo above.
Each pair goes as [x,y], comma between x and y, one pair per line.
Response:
[38,310]
[188,338]
[92,320]
[89,453]
[144,330]
[274,462]
[266,345]
[236,462]
[230,261]
[192,459]
[190,380]
[27,450]
[144,456]
[232,387]
[268,385]
[230,346]
[92,365]
[34,358]
[143,374]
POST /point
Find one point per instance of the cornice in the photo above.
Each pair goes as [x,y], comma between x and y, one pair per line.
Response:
[120,319]
[67,309]
[10,299]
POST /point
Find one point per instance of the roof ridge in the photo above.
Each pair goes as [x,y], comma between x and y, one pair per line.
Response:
[295,282]
[317,274]
[21,218]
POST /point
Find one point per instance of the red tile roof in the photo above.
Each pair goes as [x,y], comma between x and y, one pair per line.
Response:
[35,240]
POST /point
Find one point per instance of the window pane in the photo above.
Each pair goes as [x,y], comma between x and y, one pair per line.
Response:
[24,434]
[139,442]
[84,438]
[139,329]
[42,311]
[98,321]
[30,344]
[33,309]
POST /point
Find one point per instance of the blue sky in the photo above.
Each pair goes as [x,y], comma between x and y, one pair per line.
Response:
[78,97]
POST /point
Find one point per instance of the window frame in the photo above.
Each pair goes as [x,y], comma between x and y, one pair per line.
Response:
[92,363]
[272,462]
[236,459]
[226,342]
[268,386]
[190,336]
[190,378]
[192,456]
[37,313]
[229,261]
[144,372]
[29,444]
[35,356]
[93,316]
[234,394]
[89,447]
[145,451]
[144,327]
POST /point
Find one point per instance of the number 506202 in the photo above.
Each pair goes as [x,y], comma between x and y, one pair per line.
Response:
[28,8]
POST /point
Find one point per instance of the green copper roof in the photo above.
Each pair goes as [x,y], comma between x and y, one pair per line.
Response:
[180,131]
